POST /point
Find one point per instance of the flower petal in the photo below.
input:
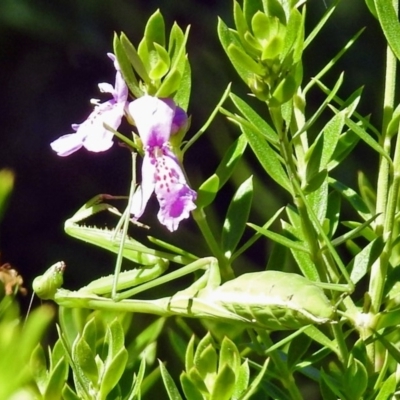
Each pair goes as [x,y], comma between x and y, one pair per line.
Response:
[180,120]
[67,144]
[153,118]
[176,206]
[175,197]
[144,191]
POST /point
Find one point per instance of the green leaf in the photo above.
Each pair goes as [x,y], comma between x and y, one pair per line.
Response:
[169,384]
[389,21]
[243,29]
[242,380]
[125,64]
[38,367]
[224,385]
[207,191]
[321,23]
[89,333]
[256,383]
[228,37]
[134,58]
[144,338]
[206,362]
[155,29]
[280,239]
[178,78]
[388,388]
[69,394]
[240,59]
[344,147]
[160,64]
[113,370]
[267,157]
[315,334]
[368,139]
[236,217]
[357,229]
[352,197]
[57,378]
[189,355]
[189,388]
[257,122]
[136,389]
[85,365]
[229,355]
[355,379]
[297,348]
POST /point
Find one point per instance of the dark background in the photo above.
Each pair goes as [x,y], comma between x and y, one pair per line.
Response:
[53,55]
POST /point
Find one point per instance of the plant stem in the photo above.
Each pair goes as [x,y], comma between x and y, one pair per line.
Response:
[384,222]
[286,377]
[225,268]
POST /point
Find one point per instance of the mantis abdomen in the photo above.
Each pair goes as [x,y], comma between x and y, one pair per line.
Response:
[274,300]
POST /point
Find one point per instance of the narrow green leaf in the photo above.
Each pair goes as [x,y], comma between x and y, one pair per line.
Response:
[207,191]
[228,37]
[137,381]
[134,58]
[344,147]
[280,239]
[155,29]
[258,123]
[57,378]
[69,394]
[113,370]
[255,384]
[169,384]
[321,23]
[352,197]
[388,388]
[389,21]
[126,67]
[355,379]
[316,335]
[229,355]
[368,139]
[357,229]
[297,348]
[189,388]
[267,157]
[86,367]
[206,362]
[242,380]
[236,217]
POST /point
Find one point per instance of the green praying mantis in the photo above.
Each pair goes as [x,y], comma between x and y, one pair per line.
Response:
[270,300]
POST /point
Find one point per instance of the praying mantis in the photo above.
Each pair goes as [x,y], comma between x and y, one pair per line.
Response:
[269,300]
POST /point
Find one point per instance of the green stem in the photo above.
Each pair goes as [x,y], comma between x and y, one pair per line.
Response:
[307,227]
[384,220]
[285,376]
[225,268]
[386,202]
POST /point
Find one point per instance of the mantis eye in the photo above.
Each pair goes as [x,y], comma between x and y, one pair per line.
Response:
[46,285]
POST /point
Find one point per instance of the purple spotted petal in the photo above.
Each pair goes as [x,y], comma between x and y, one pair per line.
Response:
[175,197]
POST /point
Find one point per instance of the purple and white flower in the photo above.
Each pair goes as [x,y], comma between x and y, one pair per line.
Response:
[91,133]
[156,120]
